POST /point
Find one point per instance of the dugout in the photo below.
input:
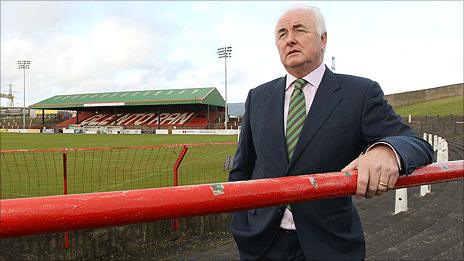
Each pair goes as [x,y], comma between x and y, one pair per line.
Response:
[169,108]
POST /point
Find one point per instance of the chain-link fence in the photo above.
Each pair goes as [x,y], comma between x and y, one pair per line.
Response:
[31,173]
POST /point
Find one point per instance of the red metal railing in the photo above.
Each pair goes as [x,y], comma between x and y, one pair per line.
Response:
[73,212]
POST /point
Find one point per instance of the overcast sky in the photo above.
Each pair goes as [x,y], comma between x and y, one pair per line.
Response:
[101,46]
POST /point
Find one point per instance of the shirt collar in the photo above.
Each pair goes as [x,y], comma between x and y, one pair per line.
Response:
[314,78]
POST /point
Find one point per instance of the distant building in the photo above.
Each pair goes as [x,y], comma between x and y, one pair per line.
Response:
[236,109]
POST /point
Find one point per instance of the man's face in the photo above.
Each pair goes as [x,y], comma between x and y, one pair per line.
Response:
[300,47]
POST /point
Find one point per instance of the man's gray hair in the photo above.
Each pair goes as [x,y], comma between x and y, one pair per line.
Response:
[320,21]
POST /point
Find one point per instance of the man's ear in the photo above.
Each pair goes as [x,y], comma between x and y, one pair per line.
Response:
[324,40]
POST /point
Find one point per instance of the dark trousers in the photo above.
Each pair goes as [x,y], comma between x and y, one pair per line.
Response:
[285,246]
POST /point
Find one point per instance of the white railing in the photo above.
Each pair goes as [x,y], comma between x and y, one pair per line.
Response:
[440,146]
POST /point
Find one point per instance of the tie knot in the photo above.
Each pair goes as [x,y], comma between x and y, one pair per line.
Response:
[299,83]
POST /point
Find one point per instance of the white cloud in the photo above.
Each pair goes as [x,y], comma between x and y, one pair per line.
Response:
[33,19]
[78,47]
[119,44]
[71,62]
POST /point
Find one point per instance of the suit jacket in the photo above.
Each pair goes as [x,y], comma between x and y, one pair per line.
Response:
[348,114]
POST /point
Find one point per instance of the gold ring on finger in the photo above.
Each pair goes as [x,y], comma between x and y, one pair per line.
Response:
[383,184]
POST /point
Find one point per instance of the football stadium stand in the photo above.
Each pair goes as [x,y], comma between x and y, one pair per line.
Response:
[188,108]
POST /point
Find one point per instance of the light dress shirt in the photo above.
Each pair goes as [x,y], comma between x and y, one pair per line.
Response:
[314,78]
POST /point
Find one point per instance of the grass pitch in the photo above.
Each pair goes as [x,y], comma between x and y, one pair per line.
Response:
[41,173]
[14,141]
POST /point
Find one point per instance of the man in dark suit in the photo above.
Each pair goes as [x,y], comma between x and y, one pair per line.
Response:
[315,121]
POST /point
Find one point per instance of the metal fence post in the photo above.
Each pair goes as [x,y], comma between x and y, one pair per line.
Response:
[401,200]
[426,189]
[65,190]
[175,169]
[442,150]
[401,195]
[175,173]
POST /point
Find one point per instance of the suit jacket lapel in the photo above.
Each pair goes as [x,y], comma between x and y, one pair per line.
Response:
[274,103]
[325,101]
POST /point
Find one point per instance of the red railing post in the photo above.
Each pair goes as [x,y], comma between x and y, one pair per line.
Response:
[65,190]
[65,172]
[175,169]
[175,173]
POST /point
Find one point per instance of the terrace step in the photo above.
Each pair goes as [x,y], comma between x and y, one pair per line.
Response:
[406,225]
[453,253]
[432,241]
[384,219]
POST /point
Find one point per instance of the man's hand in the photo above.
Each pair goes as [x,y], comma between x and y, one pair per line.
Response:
[377,171]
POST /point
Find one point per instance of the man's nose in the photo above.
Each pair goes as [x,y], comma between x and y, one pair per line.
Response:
[290,40]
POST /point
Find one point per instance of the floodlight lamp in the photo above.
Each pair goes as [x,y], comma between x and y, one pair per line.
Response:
[23,64]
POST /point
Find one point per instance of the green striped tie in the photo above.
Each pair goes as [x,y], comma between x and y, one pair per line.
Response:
[296,115]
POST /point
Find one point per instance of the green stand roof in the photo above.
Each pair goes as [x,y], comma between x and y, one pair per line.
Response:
[209,96]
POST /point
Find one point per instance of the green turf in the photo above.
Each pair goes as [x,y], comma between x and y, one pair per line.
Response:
[9,141]
[25,174]
[442,107]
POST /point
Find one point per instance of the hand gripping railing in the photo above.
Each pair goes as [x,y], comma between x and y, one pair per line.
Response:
[28,216]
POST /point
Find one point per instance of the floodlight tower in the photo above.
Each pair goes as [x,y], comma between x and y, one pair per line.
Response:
[10,97]
[225,52]
[23,64]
